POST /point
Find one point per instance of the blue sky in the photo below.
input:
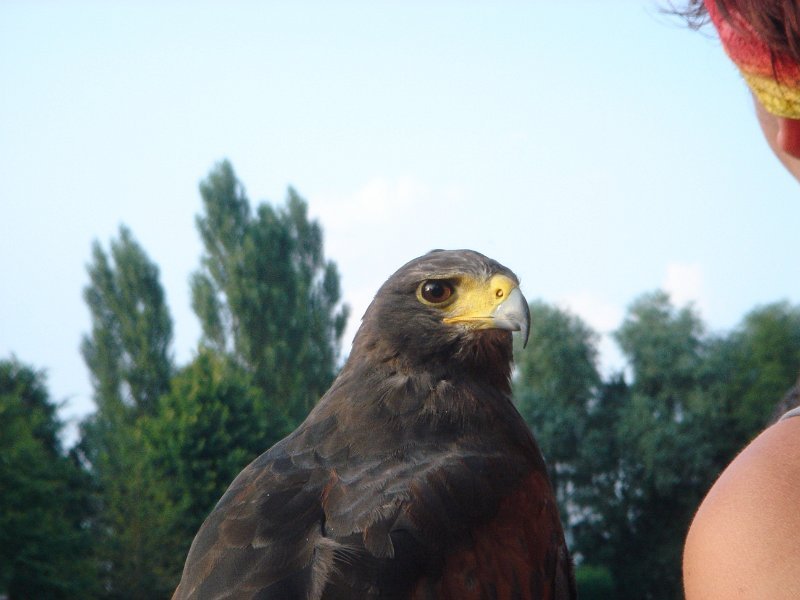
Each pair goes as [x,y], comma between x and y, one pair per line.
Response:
[599,149]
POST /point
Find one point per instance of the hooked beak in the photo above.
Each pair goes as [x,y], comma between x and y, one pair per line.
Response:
[513,314]
[496,304]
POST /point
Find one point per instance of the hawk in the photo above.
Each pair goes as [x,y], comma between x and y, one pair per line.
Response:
[414,476]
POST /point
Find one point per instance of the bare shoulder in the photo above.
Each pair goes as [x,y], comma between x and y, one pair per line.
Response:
[744,541]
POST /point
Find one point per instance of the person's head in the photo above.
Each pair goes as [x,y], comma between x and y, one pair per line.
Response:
[763,38]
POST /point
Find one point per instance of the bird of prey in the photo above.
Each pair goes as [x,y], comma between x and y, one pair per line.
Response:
[413,477]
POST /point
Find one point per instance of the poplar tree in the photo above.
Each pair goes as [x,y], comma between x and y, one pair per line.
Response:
[266,295]
[128,356]
[128,349]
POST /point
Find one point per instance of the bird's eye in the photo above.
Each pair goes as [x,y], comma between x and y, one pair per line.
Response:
[436,291]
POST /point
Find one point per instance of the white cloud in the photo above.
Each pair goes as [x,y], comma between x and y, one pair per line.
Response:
[383,219]
[600,314]
[684,282]
[382,201]
[377,202]
[603,317]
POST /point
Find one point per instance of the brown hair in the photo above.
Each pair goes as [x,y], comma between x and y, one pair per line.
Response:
[777,22]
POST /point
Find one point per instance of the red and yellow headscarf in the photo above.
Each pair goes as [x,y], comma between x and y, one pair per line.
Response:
[773,77]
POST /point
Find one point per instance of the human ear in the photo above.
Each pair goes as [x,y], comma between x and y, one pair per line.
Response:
[788,138]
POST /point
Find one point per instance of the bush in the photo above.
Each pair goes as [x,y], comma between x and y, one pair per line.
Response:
[594,583]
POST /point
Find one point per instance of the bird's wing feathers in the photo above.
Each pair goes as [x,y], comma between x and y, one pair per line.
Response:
[291,528]
[261,532]
[455,524]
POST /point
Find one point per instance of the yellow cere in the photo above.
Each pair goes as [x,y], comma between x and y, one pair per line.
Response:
[477,299]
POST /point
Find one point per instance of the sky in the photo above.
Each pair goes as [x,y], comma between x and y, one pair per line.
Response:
[601,150]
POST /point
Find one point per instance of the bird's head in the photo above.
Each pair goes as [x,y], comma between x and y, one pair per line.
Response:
[444,307]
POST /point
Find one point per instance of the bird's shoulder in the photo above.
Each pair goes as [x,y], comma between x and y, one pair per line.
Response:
[264,527]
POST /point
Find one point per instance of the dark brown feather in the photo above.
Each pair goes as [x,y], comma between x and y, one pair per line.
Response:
[414,476]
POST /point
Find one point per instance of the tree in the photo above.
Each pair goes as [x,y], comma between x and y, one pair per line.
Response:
[602,486]
[631,460]
[664,463]
[265,293]
[613,446]
[210,425]
[746,377]
[556,382]
[767,356]
[44,496]
[127,354]
[635,458]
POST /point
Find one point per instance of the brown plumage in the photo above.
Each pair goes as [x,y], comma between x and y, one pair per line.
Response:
[414,476]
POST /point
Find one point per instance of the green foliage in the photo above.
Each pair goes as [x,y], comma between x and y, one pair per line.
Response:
[602,484]
[128,350]
[663,347]
[163,446]
[266,295]
[556,381]
[44,497]
[631,455]
[594,583]
[659,450]
[766,354]
[128,357]
[209,426]
[633,460]
[133,531]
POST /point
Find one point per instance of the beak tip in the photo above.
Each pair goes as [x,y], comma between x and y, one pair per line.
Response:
[515,315]
[526,330]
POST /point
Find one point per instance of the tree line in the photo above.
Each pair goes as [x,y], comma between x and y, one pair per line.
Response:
[630,454]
